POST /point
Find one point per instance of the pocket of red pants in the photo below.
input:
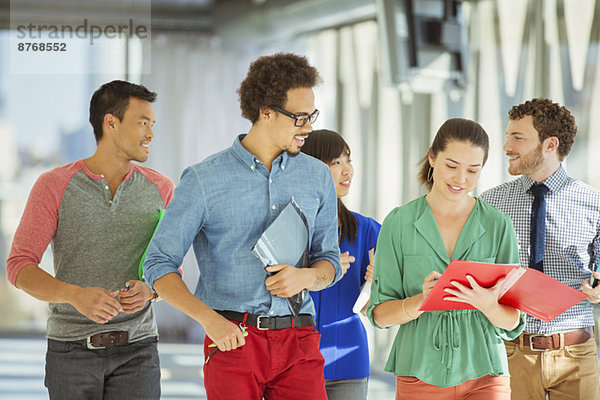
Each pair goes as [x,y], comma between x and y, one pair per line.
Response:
[228,356]
[207,350]
[308,341]
[307,333]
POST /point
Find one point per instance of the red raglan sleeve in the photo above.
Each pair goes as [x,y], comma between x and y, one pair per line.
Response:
[38,222]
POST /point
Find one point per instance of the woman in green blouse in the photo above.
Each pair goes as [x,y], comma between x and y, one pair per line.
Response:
[446,354]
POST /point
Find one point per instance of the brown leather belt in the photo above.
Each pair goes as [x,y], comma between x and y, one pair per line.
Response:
[263,322]
[553,342]
[105,339]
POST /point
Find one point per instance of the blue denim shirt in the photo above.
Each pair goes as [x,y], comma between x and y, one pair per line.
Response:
[222,205]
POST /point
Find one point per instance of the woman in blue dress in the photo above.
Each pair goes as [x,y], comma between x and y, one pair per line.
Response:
[343,337]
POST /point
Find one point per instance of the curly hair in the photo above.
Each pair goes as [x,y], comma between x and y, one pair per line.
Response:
[269,79]
[549,119]
[453,130]
[113,98]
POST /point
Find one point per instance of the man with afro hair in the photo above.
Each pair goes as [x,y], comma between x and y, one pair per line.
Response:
[221,206]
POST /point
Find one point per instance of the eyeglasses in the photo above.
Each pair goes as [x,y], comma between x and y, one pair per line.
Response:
[300,120]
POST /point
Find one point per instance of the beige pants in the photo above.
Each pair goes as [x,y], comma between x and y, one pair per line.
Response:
[569,373]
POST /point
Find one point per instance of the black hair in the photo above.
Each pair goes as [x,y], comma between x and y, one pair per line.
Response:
[270,78]
[328,145]
[113,98]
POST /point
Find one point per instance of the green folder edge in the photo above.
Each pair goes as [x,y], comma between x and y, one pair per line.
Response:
[141,270]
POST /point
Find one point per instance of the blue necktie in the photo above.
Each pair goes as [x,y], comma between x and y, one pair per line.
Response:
[538,227]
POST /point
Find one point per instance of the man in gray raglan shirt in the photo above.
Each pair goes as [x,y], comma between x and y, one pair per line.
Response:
[98,214]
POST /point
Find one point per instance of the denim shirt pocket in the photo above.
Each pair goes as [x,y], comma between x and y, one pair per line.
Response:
[309,207]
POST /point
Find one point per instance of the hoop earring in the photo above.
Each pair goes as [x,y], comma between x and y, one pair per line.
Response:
[430,174]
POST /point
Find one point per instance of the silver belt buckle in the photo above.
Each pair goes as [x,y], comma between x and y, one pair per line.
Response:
[258,319]
[531,342]
[90,346]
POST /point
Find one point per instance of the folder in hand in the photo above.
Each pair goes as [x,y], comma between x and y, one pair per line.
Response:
[285,241]
[526,289]
[363,298]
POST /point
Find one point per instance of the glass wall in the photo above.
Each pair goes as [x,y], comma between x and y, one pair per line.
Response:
[43,124]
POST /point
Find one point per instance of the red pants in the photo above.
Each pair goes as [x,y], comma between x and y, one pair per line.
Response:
[277,364]
[485,388]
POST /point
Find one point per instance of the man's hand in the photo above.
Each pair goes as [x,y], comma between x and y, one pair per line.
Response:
[346,259]
[136,297]
[224,333]
[593,294]
[286,280]
[96,303]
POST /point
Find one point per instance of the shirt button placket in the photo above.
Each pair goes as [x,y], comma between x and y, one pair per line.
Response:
[108,193]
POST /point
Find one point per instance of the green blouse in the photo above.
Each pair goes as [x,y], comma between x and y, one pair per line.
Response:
[443,348]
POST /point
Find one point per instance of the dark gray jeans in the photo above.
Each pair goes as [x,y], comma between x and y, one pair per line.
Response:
[347,389]
[75,372]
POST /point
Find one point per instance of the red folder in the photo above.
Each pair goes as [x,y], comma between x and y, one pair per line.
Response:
[526,289]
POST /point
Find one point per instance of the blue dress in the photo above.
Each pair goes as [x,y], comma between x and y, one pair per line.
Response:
[343,337]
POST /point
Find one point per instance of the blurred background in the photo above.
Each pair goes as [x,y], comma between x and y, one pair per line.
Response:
[393,71]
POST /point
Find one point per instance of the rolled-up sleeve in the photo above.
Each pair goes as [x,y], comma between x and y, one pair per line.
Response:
[324,244]
[176,231]
[387,277]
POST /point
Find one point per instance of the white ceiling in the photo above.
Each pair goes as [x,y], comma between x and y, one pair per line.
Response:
[233,20]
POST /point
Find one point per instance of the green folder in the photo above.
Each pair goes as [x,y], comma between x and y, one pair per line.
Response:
[140,270]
